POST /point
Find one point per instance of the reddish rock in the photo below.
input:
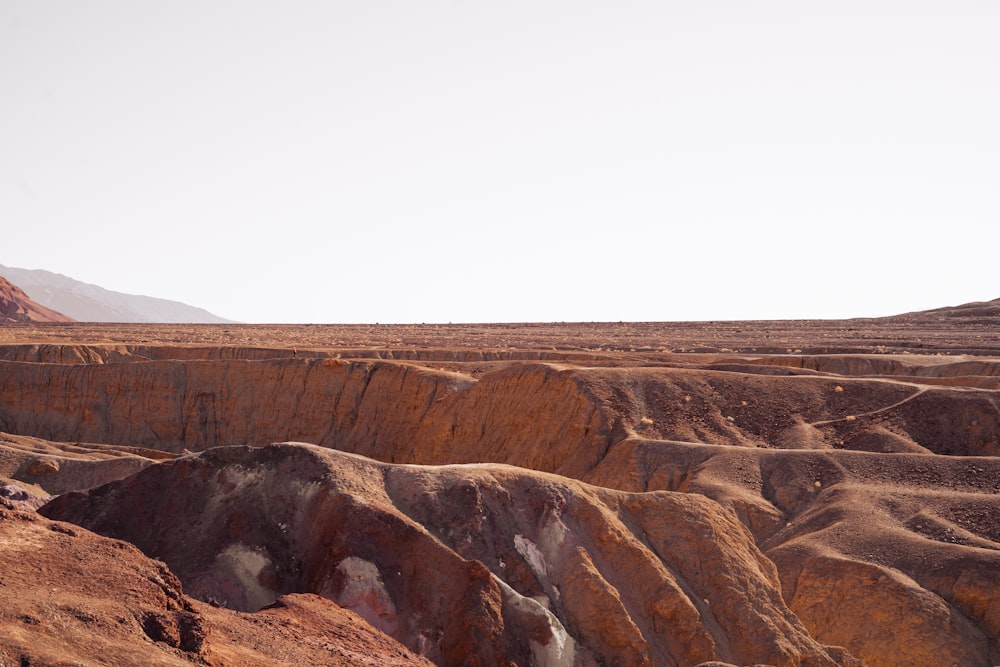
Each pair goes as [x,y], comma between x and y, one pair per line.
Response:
[67,466]
[69,597]
[16,306]
[463,564]
[43,466]
[893,558]
[546,417]
[20,498]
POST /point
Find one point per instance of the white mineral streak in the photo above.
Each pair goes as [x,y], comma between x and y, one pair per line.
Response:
[243,564]
[532,555]
[364,592]
[560,649]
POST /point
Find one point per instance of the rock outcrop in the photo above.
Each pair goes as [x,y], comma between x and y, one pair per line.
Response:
[70,597]
[463,564]
[47,468]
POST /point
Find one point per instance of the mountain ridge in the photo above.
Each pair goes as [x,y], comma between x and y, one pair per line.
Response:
[17,306]
[86,302]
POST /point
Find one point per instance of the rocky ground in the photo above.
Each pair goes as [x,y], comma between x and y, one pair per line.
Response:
[769,493]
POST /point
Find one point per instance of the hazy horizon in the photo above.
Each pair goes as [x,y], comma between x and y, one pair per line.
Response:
[524,162]
[195,307]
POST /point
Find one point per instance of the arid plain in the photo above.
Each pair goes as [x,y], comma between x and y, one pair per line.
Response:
[788,493]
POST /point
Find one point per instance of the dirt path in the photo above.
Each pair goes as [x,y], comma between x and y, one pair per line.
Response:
[849,418]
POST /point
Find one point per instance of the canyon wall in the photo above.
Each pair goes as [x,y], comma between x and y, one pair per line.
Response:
[551,417]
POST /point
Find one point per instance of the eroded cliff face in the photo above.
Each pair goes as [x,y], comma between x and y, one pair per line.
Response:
[533,414]
[463,564]
[548,417]
[869,484]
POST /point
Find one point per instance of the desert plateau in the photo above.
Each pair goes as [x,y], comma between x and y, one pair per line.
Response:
[812,493]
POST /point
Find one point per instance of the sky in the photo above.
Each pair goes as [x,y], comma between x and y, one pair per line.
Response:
[472,161]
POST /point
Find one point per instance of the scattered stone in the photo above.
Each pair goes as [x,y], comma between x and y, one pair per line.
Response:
[43,466]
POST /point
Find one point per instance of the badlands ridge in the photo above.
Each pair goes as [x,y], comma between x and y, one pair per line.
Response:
[716,493]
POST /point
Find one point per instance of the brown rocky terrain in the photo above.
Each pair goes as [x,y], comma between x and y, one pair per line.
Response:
[750,493]
[70,597]
[16,306]
[478,565]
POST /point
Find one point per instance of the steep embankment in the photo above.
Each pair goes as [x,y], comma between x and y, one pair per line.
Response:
[85,353]
[70,597]
[464,564]
[548,417]
[533,415]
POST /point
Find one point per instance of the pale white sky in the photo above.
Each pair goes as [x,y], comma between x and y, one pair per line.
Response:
[473,161]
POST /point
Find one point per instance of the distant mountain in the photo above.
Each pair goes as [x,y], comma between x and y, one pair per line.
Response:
[982,310]
[89,303]
[974,309]
[16,306]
